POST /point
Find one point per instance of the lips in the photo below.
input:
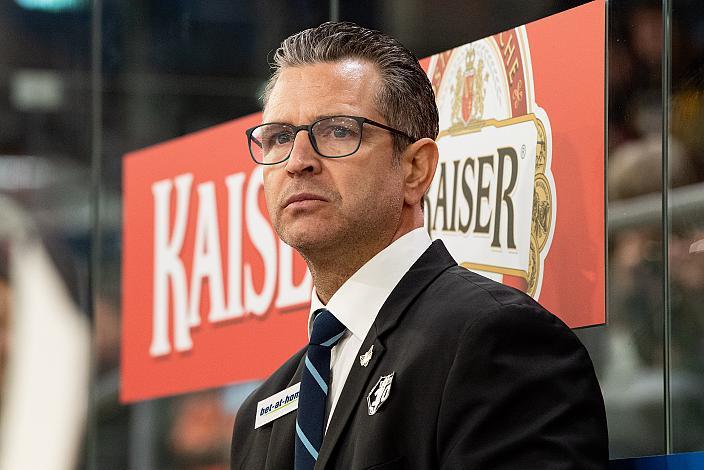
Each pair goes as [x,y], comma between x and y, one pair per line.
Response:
[301,197]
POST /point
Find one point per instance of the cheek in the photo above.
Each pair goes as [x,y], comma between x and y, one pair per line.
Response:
[270,196]
[369,184]
[269,202]
[377,190]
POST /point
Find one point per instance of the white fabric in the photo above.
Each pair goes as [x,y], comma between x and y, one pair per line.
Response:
[358,301]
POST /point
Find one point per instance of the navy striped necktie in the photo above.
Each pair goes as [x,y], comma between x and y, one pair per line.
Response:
[310,422]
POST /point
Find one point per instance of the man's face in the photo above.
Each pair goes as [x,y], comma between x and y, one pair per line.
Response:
[320,204]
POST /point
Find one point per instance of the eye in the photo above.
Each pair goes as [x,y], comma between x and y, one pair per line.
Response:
[282,138]
[335,131]
[276,137]
[341,132]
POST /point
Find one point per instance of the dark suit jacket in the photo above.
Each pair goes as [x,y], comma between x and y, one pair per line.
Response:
[485,378]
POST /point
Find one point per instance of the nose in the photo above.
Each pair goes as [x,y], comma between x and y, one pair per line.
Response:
[303,158]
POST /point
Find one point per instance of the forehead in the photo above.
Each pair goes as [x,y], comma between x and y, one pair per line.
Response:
[303,93]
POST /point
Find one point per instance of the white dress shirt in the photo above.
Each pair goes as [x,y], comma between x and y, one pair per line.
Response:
[358,301]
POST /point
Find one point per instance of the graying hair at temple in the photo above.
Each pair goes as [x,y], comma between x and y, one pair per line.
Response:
[406,99]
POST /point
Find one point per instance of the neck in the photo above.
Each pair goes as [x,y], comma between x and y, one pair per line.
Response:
[333,267]
[331,270]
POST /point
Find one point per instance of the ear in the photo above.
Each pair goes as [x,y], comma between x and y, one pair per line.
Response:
[419,161]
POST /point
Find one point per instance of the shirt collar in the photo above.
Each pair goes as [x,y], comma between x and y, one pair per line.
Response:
[358,301]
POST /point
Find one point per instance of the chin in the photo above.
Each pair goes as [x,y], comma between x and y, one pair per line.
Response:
[302,239]
[307,242]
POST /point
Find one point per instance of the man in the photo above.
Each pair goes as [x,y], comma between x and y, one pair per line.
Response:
[414,362]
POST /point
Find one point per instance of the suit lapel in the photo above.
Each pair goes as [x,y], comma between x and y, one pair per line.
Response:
[280,453]
[351,393]
[432,262]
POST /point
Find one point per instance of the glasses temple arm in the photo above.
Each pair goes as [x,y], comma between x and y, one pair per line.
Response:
[390,129]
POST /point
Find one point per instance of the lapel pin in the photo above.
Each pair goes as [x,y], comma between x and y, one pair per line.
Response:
[366,357]
[379,393]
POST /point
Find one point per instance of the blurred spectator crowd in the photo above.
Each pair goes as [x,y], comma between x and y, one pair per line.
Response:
[637,109]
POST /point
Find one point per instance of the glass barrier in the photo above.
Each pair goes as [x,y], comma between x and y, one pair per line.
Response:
[685,229]
[628,352]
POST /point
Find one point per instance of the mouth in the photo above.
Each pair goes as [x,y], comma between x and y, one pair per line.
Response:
[303,199]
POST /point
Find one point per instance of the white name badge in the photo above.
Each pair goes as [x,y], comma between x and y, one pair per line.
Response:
[277,405]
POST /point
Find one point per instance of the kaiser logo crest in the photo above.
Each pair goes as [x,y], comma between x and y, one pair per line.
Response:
[471,79]
[493,198]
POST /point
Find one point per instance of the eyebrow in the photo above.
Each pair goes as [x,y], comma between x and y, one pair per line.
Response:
[326,116]
[315,118]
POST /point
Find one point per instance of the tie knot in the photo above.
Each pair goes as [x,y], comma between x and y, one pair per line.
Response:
[327,330]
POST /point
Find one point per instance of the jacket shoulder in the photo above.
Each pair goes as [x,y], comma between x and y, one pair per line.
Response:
[461,299]
[471,285]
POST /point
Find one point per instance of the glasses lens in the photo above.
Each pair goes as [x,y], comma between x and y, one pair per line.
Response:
[337,136]
[271,143]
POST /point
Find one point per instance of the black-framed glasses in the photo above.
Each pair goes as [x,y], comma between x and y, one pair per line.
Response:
[331,137]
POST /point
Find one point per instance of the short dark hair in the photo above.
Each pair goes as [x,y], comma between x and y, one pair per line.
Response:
[406,99]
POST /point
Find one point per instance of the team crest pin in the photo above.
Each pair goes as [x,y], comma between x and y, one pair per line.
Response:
[379,393]
[366,357]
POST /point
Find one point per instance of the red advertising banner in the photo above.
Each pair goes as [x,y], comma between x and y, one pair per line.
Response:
[211,295]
